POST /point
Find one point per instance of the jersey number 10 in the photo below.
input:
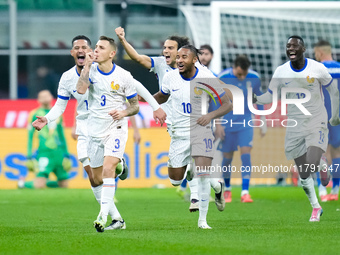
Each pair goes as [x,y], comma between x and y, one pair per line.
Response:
[186,107]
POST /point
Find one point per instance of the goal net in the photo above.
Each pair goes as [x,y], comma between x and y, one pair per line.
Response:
[260,30]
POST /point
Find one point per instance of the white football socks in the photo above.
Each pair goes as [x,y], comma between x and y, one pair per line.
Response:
[244,192]
[322,190]
[203,194]
[113,212]
[215,184]
[308,187]
[97,191]
[335,190]
[193,185]
[108,192]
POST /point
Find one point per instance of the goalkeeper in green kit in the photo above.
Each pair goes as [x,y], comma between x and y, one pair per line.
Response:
[52,154]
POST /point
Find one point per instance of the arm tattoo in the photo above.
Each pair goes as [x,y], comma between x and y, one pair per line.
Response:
[133,108]
[83,81]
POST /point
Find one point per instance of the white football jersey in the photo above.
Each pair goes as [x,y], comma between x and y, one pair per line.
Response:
[160,68]
[311,77]
[108,91]
[189,95]
[68,87]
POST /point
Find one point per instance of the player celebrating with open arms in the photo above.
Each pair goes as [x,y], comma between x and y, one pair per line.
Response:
[307,140]
[191,132]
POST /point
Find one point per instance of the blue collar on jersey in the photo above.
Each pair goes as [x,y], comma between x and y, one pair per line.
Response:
[296,70]
[113,68]
[77,71]
[190,79]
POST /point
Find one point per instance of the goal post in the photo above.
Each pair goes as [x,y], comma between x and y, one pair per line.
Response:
[260,29]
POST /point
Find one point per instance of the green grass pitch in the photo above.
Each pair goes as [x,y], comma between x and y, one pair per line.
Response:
[59,221]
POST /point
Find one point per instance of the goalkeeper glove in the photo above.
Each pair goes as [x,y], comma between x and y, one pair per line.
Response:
[32,165]
[67,164]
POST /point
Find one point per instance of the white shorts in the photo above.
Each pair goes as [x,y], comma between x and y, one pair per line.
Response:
[82,148]
[81,127]
[111,145]
[297,143]
[197,144]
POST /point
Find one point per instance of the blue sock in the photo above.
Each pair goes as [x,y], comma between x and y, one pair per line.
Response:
[245,158]
[226,163]
[336,171]
[318,179]
[116,180]
[184,183]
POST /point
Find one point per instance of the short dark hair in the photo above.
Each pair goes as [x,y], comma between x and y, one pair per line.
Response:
[81,37]
[193,49]
[207,47]
[181,40]
[297,37]
[242,61]
[110,40]
[322,43]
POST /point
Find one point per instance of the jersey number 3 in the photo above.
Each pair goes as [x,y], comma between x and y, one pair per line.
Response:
[104,100]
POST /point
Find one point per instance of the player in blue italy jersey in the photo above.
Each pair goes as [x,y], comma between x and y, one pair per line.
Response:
[323,53]
[237,133]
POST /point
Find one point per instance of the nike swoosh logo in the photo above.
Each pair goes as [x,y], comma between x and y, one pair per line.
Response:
[175,90]
[287,82]
[74,91]
[204,200]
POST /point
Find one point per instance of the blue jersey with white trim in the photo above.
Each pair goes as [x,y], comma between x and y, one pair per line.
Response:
[334,70]
[251,80]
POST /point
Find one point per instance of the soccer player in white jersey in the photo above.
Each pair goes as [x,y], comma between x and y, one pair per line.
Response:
[67,87]
[307,133]
[160,66]
[191,134]
[109,86]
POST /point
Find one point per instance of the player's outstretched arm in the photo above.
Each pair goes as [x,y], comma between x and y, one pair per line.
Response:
[131,110]
[133,54]
[84,82]
[334,94]
[158,113]
[39,123]
[56,111]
